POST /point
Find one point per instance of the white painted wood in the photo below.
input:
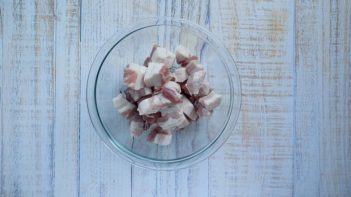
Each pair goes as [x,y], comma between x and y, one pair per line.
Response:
[67,93]
[322,159]
[40,95]
[1,92]
[28,99]
[256,160]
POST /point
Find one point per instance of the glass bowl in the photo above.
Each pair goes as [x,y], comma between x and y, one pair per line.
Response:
[190,145]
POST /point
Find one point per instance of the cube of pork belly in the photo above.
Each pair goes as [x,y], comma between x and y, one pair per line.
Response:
[159,136]
[204,88]
[171,91]
[134,76]
[136,126]
[188,109]
[193,67]
[124,107]
[195,81]
[153,104]
[174,120]
[162,55]
[135,95]
[182,54]
[210,101]
[180,74]
[156,74]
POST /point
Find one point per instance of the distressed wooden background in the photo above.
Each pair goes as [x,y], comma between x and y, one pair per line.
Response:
[293,137]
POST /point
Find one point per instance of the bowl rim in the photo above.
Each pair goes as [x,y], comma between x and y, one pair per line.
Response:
[178,163]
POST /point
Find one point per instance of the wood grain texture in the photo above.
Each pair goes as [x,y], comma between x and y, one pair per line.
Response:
[28,99]
[67,98]
[256,160]
[1,92]
[322,162]
[40,95]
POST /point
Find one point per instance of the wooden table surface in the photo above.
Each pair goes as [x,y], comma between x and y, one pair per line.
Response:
[293,136]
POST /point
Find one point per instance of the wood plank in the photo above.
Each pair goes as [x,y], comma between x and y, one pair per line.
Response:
[257,158]
[45,113]
[1,87]
[102,172]
[307,88]
[28,99]
[67,98]
[322,163]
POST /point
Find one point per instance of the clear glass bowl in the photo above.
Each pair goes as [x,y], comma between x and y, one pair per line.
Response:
[190,145]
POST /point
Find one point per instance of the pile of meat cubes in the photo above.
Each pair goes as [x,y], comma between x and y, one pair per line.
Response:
[162,101]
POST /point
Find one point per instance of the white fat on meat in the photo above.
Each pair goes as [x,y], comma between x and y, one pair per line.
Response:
[160,102]
[153,104]
[146,107]
[174,120]
[195,81]
[156,74]
[162,55]
[134,76]
[204,88]
[210,101]
[180,74]
[171,109]
[188,109]
[124,107]
[201,111]
[182,54]
[193,66]
[171,91]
